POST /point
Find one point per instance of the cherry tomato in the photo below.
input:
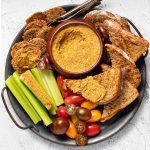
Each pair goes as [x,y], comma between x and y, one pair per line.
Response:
[63,89]
[89,105]
[59,126]
[92,129]
[96,116]
[83,113]
[80,126]
[75,99]
[74,118]
[81,139]
[61,112]
[70,109]
[72,131]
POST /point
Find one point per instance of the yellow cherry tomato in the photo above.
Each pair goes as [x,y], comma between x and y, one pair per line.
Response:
[96,116]
[89,105]
[74,118]
[72,131]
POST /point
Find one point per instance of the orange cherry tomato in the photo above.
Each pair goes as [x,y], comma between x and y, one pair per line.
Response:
[96,116]
[89,105]
[74,118]
[72,131]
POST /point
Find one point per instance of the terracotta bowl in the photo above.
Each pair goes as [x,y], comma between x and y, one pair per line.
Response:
[55,65]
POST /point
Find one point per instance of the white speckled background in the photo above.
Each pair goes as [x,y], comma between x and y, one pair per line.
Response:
[135,136]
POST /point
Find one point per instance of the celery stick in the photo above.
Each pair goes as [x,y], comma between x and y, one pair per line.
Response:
[49,77]
[37,76]
[35,103]
[36,73]
[22,99]
[52,111]
[45,84]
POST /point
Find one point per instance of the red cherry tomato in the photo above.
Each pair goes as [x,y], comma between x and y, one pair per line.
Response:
[74,99]
[64,90]
[92,129]
[61,112]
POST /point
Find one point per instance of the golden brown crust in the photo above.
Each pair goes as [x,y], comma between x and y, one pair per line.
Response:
[127,96]
[133,45]
[41,43]
[121,59]
[112,81]
[99,16]
[25,57]
[30,34]
[18,45]
[53,13]
[35,24]
[37,15]
[124,24]
[44,32]
[106,67]
[89,88]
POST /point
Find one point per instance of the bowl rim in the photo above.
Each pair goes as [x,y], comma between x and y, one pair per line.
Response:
[59,28]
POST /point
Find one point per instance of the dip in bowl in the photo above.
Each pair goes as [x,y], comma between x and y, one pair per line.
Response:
[75,48]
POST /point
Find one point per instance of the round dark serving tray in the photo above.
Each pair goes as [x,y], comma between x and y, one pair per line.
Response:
[108,129]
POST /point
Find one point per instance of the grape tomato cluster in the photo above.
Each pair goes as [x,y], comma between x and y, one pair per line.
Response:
[78,118]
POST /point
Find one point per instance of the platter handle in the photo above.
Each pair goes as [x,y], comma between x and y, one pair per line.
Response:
[12,118]
[137,31]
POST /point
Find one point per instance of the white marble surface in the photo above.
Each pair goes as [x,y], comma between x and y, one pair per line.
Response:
[135,136]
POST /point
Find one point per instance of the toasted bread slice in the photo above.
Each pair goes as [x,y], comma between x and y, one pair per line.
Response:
[89,88]
[54,13]
[120,59]
[44,32]
[36,16]
[30,34]
[112,81]
[99,16]
[133,45]
[106,67]
[35,24]
[127,96]
[41,43]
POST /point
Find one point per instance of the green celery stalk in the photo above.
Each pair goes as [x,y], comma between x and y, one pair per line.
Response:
[49,77]
[22,99]
[52,111]
[35,103]
[45,84]
[37,74]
